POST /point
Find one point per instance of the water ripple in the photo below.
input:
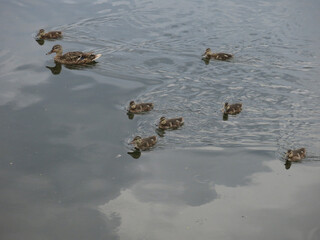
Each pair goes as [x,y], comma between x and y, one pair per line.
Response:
[267,73]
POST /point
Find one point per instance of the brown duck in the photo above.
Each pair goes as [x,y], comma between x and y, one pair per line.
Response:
[232,108]
[296,155]
[140,107]
[144,143]
[49,35]
[208,54]
[73,57]
[173,123]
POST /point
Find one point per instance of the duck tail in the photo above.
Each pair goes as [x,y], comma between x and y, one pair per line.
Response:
[97,56]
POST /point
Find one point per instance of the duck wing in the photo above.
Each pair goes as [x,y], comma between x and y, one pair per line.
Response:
[237,105]
[146,105]
[179,119]
[72,56]
[90,56]
[53,35]
[223,56]
[148,143]
[175,122]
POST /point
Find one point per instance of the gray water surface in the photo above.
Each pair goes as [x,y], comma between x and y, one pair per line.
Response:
[65,169]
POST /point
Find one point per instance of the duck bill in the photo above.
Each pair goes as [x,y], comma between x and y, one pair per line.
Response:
[49,52]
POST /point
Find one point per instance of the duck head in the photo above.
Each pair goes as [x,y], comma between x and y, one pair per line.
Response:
[137,140]
[132,105]
[56,48]
[226,106]
[163,120]
[207,53]
[289,154]
[40,33]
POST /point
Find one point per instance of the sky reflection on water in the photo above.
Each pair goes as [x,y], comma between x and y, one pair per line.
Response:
[65,168]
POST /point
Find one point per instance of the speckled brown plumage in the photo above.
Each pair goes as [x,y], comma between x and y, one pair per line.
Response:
[49,35]
[73,57]
[232,108]
[218,56]
[140,107]
[144,143]
[296,155]
[173,123]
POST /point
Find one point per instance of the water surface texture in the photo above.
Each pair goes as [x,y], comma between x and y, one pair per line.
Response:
[65,169]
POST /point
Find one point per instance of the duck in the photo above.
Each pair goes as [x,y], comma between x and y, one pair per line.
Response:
[49,35]
[296,155]
[173,123]
[144,143]
[232,108]
[73,57]
[139,107]
[208,54]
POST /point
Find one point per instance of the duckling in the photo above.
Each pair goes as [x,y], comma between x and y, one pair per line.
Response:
[208,54]
[173,123]
[232,108]
[144,143]
[73,57]
[296,155]
[49,35]
[140,107]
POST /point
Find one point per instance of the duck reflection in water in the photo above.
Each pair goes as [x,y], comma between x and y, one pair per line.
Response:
[160,132]
[56,69]
[225,117]
[206,60]
[135,153]
[287,164]
[130,115]
[40,41]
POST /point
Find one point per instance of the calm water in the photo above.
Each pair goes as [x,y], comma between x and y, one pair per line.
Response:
[65,172]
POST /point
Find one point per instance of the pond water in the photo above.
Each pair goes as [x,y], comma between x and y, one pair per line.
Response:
[65,169]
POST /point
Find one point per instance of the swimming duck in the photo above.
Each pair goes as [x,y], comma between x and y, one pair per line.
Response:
[73,57]
[232,108]
[144,143]
[49,35]
[296,155]
[140,107]
[208,54]
[173,123]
